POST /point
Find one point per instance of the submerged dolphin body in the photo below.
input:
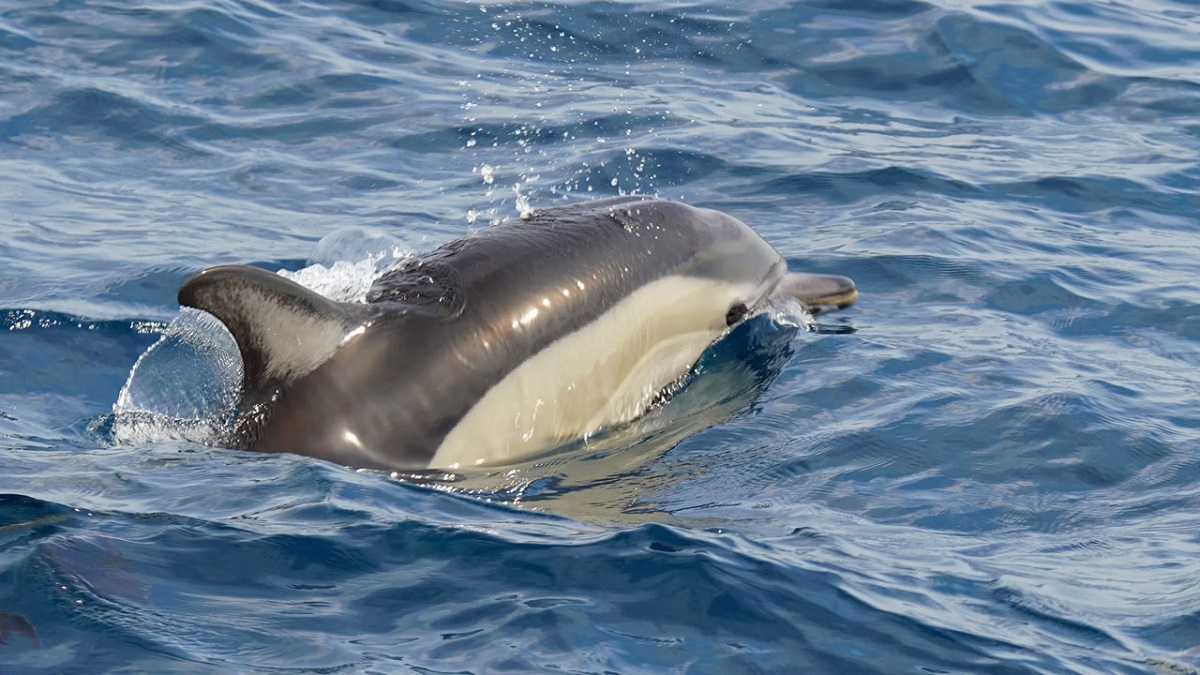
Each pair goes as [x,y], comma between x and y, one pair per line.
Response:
[498,345]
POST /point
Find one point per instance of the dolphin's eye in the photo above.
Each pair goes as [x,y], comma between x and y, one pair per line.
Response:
[736,314]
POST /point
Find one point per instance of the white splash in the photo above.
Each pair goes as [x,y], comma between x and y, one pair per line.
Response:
[524,210]
[787,311]
[347,262]
[186,385]
[183,387]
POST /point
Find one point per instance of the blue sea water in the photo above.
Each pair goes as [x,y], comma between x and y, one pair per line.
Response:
[990,464]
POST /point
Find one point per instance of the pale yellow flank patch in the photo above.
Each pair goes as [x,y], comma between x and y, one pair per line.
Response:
[605,373]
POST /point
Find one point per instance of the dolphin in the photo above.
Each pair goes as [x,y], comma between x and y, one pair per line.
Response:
[499,345]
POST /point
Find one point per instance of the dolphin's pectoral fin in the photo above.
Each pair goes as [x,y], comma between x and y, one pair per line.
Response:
[817,292]
[282,329]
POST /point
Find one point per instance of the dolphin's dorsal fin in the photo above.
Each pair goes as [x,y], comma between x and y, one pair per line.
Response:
[282,329]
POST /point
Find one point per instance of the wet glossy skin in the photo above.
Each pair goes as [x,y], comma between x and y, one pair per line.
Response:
[444,329]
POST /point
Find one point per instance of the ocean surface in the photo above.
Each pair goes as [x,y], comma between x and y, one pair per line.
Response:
[990,464]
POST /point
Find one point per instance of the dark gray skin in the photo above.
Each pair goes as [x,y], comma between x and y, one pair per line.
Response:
[439,329]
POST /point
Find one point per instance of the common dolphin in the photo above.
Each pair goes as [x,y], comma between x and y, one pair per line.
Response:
[501,344]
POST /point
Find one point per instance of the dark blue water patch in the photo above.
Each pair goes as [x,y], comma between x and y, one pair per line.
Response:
[316,92]
[1178,319]
[598,34]
[299,585]
[844,188]
[189,41]
[1035,296]
[151,287]
[13,40]
[914,274]
[957,59]
[886,9]
[47,352]
[1087,194]
[98,114]
[620,168]
[1061,194]
[523,134]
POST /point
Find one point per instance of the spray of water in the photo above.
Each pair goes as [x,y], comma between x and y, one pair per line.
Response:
[789,312]
[186,385]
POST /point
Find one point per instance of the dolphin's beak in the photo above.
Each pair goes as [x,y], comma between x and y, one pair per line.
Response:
[818,292]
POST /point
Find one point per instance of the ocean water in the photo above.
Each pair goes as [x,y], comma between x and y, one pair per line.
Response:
[990,464]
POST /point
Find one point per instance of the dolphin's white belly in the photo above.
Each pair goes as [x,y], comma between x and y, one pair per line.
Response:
[605,373]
